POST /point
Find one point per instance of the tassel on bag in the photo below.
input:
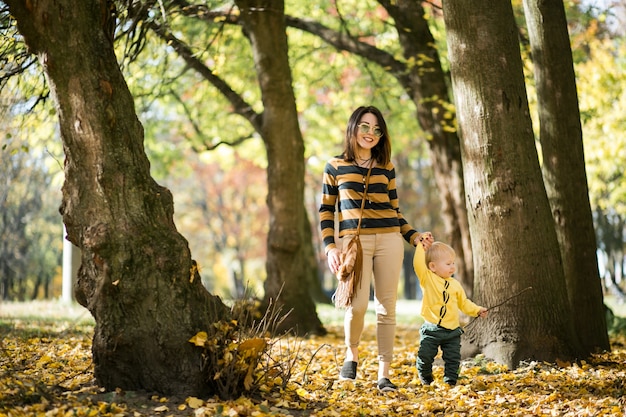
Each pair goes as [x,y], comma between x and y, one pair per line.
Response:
[349,273]
[351,263]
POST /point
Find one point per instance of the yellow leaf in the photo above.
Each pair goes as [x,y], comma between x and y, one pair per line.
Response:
[252,347]
[248,380]
[194,402]
[563,364]
[45,359]
[199,339]
[250,350]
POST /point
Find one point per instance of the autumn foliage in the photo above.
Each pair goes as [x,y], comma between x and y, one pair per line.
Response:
[46,370]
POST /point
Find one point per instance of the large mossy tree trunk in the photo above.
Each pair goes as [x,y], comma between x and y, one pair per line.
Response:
[137,277]
[286,285]
[564,173]
[513,233]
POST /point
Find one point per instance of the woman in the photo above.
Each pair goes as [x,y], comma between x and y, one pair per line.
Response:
[367,145]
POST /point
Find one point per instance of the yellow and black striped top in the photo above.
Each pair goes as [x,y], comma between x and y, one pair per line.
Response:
[342,191]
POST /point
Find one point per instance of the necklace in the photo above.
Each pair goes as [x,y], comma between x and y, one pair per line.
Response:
[364,170]
[363,163]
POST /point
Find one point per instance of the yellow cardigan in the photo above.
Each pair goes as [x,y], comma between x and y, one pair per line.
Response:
[433,287]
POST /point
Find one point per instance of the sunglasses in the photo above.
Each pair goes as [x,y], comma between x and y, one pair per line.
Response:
[364,128]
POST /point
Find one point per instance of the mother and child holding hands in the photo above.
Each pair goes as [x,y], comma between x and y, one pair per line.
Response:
[382,231]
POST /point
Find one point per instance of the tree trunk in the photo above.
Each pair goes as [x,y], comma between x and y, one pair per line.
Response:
[563,167]
[264,24]
[137,277]
[513,234]
[426,83]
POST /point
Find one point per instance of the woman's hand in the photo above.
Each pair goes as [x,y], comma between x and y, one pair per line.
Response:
[333,260]
[426,239]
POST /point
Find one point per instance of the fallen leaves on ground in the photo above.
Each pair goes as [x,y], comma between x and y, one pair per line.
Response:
[48,372]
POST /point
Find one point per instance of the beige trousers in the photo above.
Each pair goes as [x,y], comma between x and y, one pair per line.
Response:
[382,264]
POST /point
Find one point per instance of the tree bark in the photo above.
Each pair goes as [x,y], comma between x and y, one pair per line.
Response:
[137,277]
[263,22]
[563,167]
[512,229]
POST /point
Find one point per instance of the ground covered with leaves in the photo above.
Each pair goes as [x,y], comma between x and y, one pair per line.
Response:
[46,370]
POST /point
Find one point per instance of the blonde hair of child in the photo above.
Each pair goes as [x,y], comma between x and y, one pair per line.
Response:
[437,251]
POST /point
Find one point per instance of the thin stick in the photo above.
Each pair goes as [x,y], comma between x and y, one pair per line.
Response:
[511,297]
[304,377]
[500,304]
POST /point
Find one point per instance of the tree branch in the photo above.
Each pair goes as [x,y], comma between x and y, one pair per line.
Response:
[348,43]
[211,146]
[341,41]
[240,106]
[208,146]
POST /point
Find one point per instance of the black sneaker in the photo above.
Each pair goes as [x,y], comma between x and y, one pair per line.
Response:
[385,385]
[348,371]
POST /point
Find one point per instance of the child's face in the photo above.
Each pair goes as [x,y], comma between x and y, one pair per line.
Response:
[445,266]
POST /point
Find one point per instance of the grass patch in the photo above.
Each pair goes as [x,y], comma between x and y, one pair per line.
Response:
[50,310]
[407,313]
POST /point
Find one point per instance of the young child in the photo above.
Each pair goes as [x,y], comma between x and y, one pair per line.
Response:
[443,298]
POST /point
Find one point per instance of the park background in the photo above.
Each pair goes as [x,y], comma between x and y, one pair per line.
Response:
[220,210]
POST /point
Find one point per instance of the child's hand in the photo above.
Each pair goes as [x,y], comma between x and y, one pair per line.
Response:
[482,313]
[426,239]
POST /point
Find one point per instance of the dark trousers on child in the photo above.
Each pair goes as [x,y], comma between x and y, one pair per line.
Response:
[433,337]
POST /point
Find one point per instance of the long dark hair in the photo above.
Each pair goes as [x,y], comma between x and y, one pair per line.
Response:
[382,151]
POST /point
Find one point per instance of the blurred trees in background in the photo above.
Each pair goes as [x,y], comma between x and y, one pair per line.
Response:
[601,77]
[215,210]
[30,230]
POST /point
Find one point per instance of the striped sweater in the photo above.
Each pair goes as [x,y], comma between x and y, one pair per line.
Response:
[342,191]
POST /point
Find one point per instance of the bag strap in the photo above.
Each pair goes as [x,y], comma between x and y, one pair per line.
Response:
[367,181]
